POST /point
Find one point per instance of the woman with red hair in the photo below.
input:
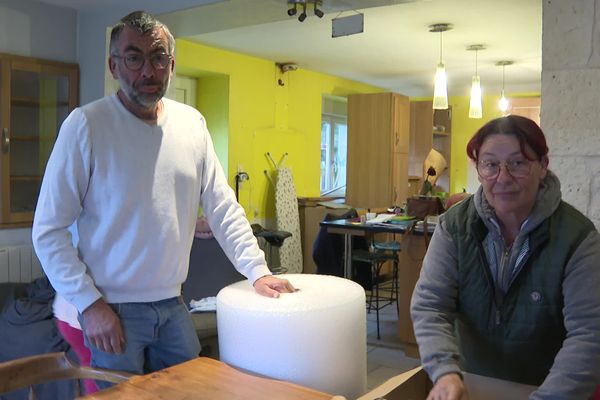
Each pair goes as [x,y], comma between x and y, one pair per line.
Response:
[509,285]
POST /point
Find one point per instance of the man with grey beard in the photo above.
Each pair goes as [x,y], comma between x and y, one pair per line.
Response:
[130,171]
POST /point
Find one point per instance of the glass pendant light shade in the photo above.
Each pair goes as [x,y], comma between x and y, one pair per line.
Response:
[475,103]
[440,89]
[475,106]
[503,103]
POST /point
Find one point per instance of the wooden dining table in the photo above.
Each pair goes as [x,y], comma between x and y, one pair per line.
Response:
[351,227]
[206,378]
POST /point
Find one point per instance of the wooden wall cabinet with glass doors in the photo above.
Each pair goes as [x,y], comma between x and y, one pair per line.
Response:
[35,98]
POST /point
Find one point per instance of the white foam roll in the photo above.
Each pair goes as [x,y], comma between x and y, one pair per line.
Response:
[315,337]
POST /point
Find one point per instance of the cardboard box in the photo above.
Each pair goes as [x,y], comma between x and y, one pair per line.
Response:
[415,385]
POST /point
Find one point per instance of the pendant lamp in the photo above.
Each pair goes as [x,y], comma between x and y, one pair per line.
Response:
[440,89]
[475,106]
[503,104]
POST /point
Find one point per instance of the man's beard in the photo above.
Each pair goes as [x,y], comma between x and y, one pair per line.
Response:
[146,100]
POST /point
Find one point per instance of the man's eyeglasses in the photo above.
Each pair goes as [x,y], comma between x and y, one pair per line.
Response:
[135,62]
[490,169]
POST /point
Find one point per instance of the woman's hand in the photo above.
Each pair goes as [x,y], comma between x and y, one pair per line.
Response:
[449,387]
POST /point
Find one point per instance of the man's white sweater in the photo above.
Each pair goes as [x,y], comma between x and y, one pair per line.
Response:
[133,189]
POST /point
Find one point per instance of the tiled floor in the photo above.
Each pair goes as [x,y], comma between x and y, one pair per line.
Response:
[385,357]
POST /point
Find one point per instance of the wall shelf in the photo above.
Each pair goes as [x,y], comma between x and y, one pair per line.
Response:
[424,136]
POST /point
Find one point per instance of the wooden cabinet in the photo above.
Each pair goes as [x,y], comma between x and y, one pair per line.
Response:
[378,145]
[411,261]
[442,121]
[429,129]
[35,97]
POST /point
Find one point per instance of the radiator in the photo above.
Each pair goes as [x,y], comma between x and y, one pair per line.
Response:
[19,264]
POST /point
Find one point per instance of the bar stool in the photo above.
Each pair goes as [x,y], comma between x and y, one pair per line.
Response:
[273,238]
[393,247]
[380,254]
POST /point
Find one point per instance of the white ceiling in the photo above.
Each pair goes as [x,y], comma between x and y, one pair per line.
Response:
[396,51]
[155,6]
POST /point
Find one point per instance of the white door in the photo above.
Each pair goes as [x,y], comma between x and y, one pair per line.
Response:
[185,90]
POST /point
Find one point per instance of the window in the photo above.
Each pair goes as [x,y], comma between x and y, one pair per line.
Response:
[334,146]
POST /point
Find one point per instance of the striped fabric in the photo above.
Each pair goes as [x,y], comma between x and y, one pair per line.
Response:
[497,255]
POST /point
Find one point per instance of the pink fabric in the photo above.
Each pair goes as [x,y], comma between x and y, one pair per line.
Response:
[596,395]
[74,337]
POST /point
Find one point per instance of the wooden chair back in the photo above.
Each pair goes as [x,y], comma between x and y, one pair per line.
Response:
[29,371]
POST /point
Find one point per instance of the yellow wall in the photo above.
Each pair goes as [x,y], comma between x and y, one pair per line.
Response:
[212,98]
[267,117]
[264,116]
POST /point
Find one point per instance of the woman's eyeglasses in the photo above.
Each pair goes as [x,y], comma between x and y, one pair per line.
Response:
[135,62]
[490,169]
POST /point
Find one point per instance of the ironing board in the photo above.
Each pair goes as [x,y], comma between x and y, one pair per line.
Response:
[286,211]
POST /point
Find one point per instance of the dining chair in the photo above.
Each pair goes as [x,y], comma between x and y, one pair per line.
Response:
[42,368]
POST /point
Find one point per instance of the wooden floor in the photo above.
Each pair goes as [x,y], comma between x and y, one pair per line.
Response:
[385,357]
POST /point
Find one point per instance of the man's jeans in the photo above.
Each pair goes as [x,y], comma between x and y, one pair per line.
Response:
[157,335]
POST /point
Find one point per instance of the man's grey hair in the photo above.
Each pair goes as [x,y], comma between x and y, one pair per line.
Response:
[142,22]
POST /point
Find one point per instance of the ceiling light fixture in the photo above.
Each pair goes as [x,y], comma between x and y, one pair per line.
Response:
[302,16]
[440,88]
[293,8]
[318,13]
[503,104]
[475,106]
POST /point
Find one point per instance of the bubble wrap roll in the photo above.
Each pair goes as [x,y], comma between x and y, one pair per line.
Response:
[315,337]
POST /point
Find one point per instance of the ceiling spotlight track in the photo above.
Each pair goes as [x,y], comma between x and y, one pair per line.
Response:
[294,5]
[293,10]
[302,16]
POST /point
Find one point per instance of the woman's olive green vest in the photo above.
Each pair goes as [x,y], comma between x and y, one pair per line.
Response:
[518,339]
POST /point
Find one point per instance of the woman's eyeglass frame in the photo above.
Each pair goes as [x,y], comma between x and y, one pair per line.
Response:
[490,170]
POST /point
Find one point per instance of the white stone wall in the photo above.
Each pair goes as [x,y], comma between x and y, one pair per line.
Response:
[570,112]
